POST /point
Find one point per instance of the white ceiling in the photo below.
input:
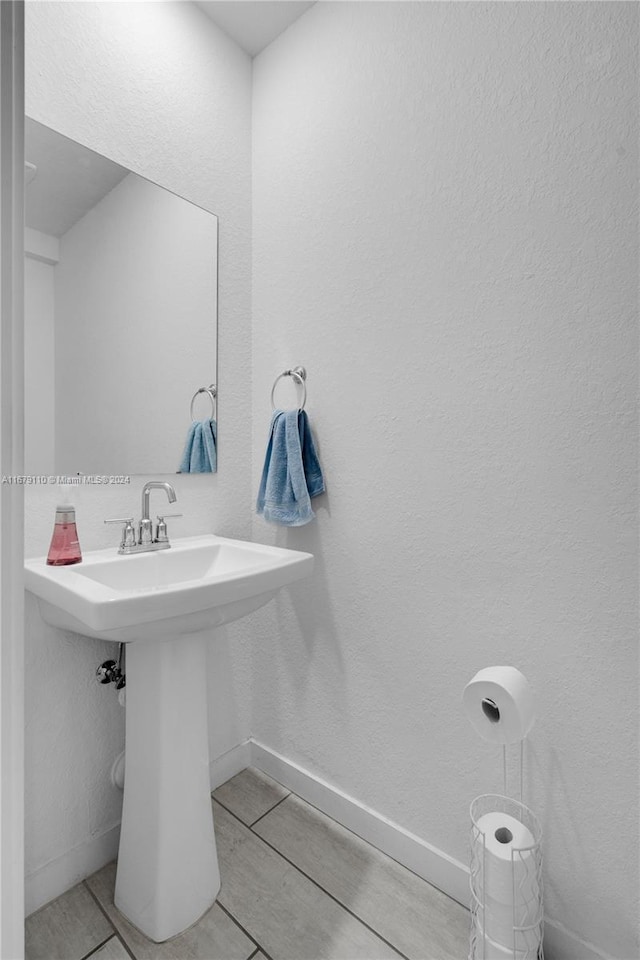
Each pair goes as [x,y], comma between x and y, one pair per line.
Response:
[69,181]
[253,24]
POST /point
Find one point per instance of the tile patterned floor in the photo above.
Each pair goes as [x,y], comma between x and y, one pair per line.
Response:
[296,885]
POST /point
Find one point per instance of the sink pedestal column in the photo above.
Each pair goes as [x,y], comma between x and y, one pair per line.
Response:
[168,872]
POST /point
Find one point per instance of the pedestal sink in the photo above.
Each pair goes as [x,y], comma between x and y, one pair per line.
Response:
[166,606]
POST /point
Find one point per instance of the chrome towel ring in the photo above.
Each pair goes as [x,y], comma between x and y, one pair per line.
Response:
[212,391]
[299,374]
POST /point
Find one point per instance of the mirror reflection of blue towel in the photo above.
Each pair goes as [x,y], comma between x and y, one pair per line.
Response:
[200,454]
[291,475]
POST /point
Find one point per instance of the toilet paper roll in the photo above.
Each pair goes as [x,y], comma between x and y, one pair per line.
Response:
[507,869]
[500,919]
[499,704]
[122,697]
[488,949]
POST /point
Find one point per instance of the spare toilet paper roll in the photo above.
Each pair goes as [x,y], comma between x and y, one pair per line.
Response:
[488,949]
[499,704]
[507,868]
[509,924]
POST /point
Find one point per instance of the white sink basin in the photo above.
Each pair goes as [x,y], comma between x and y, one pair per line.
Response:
[200,583]
[165,605]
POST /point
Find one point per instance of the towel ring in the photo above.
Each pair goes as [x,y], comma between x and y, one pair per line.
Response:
[212,392]
[299,374]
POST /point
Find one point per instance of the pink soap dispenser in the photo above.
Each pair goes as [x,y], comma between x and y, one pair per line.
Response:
[65,546]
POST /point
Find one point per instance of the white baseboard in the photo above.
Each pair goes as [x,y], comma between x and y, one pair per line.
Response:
[59,875]
[433,865]
[233,761]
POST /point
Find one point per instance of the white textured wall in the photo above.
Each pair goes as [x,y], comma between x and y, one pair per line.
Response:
[39,372]
[158,88]
[136,299]
[444,235]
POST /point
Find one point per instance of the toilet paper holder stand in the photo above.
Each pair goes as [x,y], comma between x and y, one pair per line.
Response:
[506,854]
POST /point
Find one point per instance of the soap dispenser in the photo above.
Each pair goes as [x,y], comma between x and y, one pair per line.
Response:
[65,546]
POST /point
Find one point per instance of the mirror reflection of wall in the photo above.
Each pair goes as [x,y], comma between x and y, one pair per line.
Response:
[120,314]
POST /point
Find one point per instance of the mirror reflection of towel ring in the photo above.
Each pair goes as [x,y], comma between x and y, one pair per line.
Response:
[299,374]
[212,392]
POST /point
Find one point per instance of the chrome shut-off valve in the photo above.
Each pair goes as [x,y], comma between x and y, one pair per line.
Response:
[111,672]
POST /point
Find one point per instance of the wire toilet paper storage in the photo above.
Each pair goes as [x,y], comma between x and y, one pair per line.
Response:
[506,892]
[506,855]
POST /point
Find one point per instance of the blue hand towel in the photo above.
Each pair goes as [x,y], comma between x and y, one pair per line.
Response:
[200,454]
[291,475]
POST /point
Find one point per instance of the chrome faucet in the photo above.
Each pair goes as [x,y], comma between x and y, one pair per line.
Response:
[145,528]
[145,539]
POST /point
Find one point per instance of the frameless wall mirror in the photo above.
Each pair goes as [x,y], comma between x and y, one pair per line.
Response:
[120,314]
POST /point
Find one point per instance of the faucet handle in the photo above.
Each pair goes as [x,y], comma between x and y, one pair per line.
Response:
[128,533]
[161,528]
